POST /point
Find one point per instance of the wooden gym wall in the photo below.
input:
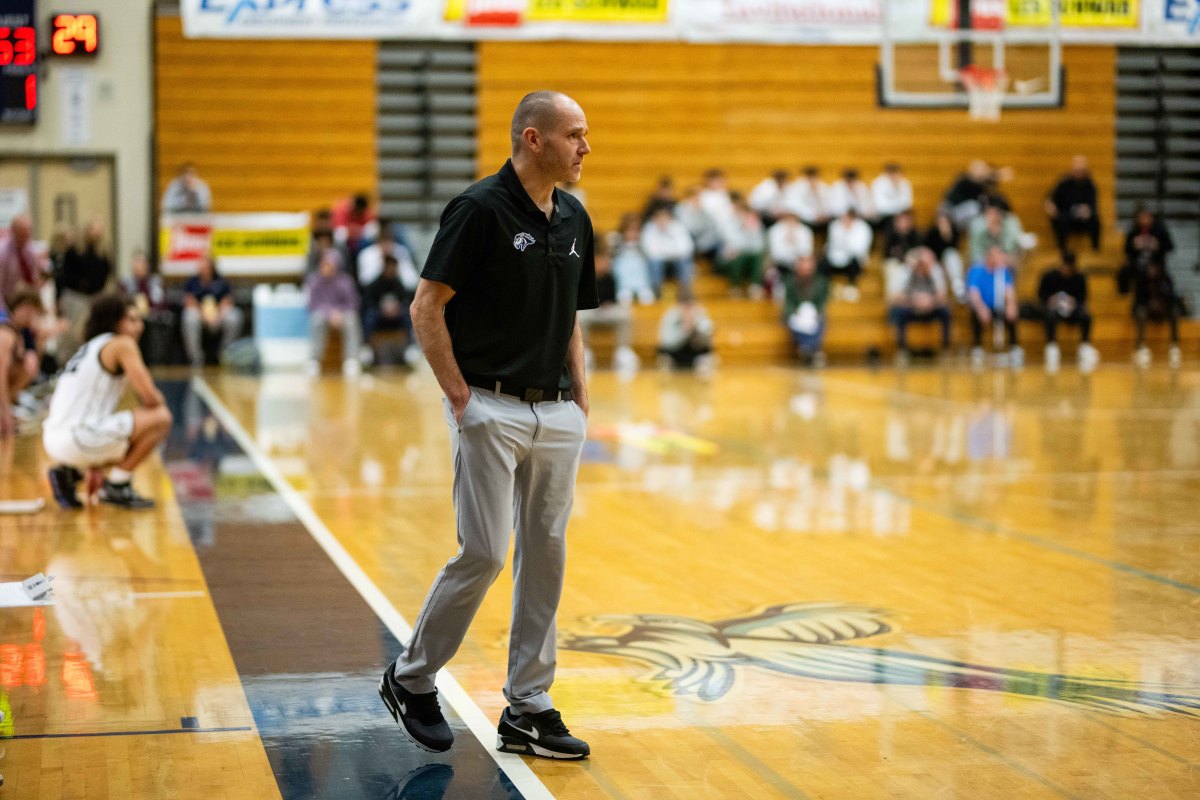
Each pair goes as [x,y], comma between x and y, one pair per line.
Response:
[271,125]
[678,109]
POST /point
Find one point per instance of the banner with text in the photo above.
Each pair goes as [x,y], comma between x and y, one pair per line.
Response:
[242,244]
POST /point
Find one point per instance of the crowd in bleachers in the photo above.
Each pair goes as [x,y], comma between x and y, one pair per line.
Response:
[794,238]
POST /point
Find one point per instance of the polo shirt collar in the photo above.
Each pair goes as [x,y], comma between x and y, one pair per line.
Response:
[508,177]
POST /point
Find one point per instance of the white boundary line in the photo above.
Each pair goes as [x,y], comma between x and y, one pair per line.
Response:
[483,728]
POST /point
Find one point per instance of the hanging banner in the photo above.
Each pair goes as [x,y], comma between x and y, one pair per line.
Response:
[297,19]
[534,11]
[995,14]
[799,21]
[1174,21]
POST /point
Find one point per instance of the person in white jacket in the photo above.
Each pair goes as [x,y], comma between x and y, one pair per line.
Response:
[744,243]
[668,244]
[788,240]
[808,197]
[892,194]
[851,192]
[767,197]
[847,251]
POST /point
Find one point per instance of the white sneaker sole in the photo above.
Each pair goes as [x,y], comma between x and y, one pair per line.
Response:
[514,745]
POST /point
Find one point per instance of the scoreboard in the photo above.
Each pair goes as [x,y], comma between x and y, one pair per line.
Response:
[18,63]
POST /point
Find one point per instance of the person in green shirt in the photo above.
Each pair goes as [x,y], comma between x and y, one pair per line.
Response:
[806,292]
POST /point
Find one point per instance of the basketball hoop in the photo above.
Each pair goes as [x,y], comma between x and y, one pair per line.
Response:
[985,91]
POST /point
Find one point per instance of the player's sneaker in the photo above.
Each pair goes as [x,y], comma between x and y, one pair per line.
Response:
[541,734]
[1142,357]
[1016,357]
[123,495]
[62,483]
[1054,357]
[1174,357]
[419,715]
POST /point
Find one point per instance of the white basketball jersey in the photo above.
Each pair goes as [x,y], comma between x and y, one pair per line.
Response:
[86,391]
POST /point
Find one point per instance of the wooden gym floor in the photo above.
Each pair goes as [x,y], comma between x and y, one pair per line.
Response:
[781,584]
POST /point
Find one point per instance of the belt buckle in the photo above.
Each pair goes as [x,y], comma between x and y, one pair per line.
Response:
[533,395]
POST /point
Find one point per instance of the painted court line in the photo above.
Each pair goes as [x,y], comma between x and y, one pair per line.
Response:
[163,732]
[483,728]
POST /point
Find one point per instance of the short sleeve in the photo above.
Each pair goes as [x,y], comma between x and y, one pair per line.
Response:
[459,245]
[588,296]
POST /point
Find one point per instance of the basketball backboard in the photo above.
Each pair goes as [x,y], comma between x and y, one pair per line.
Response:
[933,51]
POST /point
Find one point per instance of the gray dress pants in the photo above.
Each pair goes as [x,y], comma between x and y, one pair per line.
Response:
[514,469]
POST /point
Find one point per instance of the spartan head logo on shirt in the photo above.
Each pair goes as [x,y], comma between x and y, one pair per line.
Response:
[522,240]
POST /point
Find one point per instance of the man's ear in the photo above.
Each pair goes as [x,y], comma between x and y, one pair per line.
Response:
[533,139]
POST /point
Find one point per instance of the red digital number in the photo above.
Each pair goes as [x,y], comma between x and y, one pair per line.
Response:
[6,48]
[73,31]
[26,46]
[31,93]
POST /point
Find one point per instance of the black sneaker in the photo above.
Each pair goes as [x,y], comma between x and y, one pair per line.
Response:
[419,715]
[62,483]
[123,495]
[541,734]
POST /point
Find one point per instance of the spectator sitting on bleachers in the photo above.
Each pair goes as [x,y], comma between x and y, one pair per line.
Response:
[663,195]
[923,299]
[806,291]
[1063,294]
[995,228]
[333,302]
[144,287]
[967,196]
[208,306]
[685,335]
[371,258]
[1071,205]
[892,193]
[699,224]
[386,301]
[187,193]
[18,364]
[667,244]
[1148,242]
[146,290]
[317,246]
[942,238]
[808,197]
[991,295]
[766,197]
[847,251]
[898,241]
[851,192]
[716,200]
[354,225]
[1154,300]
[609,314]
[787,240]
[742,249]
[631,268]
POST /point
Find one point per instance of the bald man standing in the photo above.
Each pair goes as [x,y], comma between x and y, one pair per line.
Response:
[495,315]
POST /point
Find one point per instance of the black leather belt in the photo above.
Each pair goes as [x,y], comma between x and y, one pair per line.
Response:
[523,393]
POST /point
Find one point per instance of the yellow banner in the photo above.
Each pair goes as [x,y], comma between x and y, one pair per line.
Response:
[627,11]
[260,243]
[1037,13]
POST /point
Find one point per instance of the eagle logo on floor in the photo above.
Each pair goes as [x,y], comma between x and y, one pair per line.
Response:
[812,640]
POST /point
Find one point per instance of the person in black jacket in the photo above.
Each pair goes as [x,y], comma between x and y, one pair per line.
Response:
[1071,205]
[86,269]
[1063,293]
[1154,299]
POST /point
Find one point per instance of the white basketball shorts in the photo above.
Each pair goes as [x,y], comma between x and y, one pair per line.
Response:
[94,443]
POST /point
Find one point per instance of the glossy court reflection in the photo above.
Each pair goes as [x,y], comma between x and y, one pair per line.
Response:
[781,585]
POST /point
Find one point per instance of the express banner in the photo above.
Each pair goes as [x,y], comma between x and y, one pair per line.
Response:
[242,244]
[992,14]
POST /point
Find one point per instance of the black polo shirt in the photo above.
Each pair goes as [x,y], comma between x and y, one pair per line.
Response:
[518,279]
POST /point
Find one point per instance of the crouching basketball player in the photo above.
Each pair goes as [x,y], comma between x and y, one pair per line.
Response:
[84,431]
